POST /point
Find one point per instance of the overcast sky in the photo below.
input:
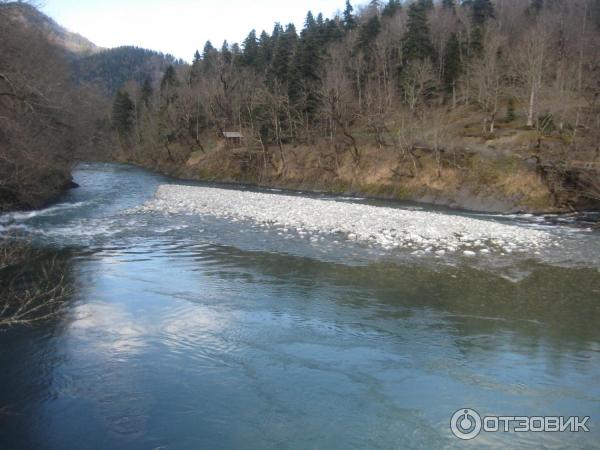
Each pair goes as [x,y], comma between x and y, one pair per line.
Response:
[179,27]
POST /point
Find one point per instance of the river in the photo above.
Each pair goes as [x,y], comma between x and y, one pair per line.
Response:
[188,330]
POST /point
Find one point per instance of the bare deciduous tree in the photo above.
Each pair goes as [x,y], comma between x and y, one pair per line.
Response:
[529,60]
[487,75]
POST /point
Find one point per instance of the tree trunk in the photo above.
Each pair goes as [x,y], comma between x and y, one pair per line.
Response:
[530,112]
[454,95]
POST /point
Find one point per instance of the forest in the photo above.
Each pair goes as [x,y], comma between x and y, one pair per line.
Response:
[406,99]
[513,76]
[55,96]
[46,120]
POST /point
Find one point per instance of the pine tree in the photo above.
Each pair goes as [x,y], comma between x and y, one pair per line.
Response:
[264,54]
[482,11]
[250,46]
[209,57]
[236,52]
[226,53]
[452,63]
[448,5]
[209,51]
[304,74]
[349,19]
[391,8]
[168,85]
[123,113]
[282,55]
[310,23]
[374,7]
[196,70]
[427,5]
[332,30]
[416,43]
[510,111]
[368,33]
[536,6]
[320,21]
[476,43]
[147,92]
[596,12]
[277,32]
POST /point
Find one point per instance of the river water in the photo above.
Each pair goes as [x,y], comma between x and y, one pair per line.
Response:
[192,331]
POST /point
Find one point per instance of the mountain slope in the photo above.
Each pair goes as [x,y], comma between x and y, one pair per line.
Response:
[34,20]
[110,69]
[107,69]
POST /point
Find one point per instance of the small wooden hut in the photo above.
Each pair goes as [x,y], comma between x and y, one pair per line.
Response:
[233,138]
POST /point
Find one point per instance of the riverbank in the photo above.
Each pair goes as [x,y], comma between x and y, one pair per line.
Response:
[36,190]
[499,183]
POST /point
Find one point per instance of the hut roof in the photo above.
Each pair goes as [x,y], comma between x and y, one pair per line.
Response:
[232,134]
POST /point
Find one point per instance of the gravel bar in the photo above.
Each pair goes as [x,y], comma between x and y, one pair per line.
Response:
[418,231]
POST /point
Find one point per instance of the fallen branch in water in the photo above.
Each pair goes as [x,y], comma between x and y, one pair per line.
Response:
[33,287]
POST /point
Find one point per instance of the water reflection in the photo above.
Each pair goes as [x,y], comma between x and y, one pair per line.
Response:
[250,347]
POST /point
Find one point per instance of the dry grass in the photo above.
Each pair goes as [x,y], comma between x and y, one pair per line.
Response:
[381,173]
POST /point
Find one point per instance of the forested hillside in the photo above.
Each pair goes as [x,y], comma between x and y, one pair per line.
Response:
[46,123]
[27,16]
[55,95]
[412,99]
[110,69]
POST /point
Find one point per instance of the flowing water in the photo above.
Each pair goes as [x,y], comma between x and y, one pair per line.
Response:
[195,331]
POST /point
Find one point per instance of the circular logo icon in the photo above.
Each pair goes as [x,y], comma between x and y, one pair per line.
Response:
[466,424]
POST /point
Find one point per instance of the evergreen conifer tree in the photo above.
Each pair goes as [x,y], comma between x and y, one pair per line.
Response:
[250,46]
[449,5]
[417,40]
[368,33]
[209,50]
[304,74]
[168,84]
[310,23]
[196,69]
[349,19]
[146,92]
[209,56]
[391,8]
[476,44]
[536,6]
[482,11]
[122,113]
[510,111]
[320,21]
[426,4]
[452,63]
[236,51]
[277,32]
[332,30]
[226,53]
[282,55]
[265,51]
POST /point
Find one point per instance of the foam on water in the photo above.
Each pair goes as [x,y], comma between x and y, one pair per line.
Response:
[419,231]
[27,215]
